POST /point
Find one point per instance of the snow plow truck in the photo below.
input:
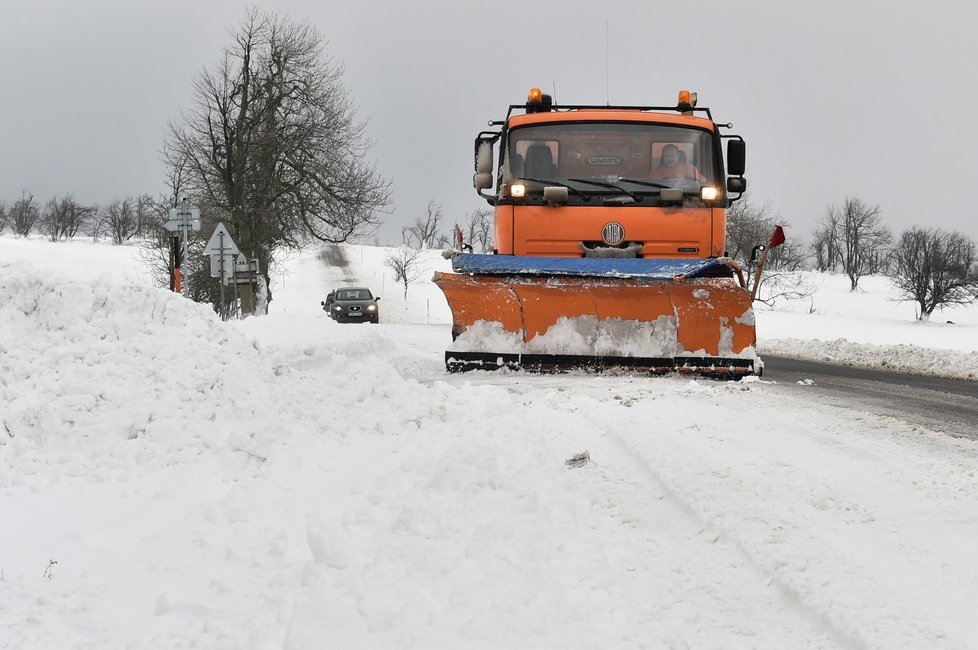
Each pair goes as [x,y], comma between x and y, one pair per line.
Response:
[609,244]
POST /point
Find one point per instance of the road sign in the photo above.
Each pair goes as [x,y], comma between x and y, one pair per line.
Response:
[221,242]
[183,219]
[228,266]
[246,271]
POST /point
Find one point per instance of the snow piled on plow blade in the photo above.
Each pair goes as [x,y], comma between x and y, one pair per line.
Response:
[582,335]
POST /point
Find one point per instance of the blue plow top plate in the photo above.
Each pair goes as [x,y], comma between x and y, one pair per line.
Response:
[642,268]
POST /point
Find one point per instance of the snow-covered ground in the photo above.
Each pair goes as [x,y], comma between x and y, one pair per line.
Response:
[168,480]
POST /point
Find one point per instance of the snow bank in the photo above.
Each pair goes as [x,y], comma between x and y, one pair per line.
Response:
[120,373]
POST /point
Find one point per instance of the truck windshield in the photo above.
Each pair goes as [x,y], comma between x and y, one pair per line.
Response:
[658,154]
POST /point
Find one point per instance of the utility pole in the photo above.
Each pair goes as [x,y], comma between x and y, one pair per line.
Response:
[185,233]
[223,315]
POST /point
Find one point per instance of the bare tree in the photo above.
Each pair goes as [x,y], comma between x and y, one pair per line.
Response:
[444,240]
[934,268]
[178,173]
[157,244]
[272,144]
[477,229]
[64,217]
[3,216]
[120,220]
[94,224]
[149,214]
[859,238]
[406,264]
[156,252]
[424,232]
[748,226]
[24,215]
[825,244]
[159,247]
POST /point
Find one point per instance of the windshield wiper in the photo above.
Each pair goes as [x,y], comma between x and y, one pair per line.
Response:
[647,183]
[632,195]
[550,181]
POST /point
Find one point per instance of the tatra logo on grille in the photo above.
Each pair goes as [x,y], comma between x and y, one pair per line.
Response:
[604,160]
[613,233]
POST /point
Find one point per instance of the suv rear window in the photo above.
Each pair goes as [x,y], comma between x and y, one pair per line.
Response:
[361,294]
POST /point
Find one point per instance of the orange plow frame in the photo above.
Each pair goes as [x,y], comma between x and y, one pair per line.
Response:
[714,327]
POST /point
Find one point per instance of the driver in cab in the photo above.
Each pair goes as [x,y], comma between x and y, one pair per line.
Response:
[672,166]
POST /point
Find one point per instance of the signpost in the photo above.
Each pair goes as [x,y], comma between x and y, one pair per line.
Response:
[245,281]
[183,219]
[226,261]
[222,250]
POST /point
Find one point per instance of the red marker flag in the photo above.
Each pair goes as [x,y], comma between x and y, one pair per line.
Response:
[777,238]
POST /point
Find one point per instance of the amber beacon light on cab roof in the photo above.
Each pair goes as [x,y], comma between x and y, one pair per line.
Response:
[609,244]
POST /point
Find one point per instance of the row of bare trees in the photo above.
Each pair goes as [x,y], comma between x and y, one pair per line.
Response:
[64,218]
[432,230]
[428,231]
[929,266]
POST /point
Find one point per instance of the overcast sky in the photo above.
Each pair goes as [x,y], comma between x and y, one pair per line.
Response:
[835,99]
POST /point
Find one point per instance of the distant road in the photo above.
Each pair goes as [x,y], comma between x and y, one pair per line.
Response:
[334,258]
[937,403]
[334,255]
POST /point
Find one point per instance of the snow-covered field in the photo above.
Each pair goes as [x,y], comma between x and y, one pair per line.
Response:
[168,480]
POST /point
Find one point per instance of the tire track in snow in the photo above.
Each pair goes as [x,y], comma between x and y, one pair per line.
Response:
[728,565]
[787,592]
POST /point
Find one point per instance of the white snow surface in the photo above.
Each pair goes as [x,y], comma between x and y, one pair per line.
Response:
[169,480]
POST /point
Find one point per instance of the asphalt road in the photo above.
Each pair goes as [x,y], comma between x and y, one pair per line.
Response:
[937,403]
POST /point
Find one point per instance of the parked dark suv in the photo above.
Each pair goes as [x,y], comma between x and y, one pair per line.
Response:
[352,305]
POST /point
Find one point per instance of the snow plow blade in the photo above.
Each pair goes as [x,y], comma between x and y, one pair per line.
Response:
[715,367]
[642,315]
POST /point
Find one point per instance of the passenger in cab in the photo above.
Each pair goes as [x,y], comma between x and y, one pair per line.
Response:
[671,165]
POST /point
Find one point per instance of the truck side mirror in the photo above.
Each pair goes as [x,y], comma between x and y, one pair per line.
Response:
[482,181]
[737,184]
[483,178]
[483,156]
[736,157]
